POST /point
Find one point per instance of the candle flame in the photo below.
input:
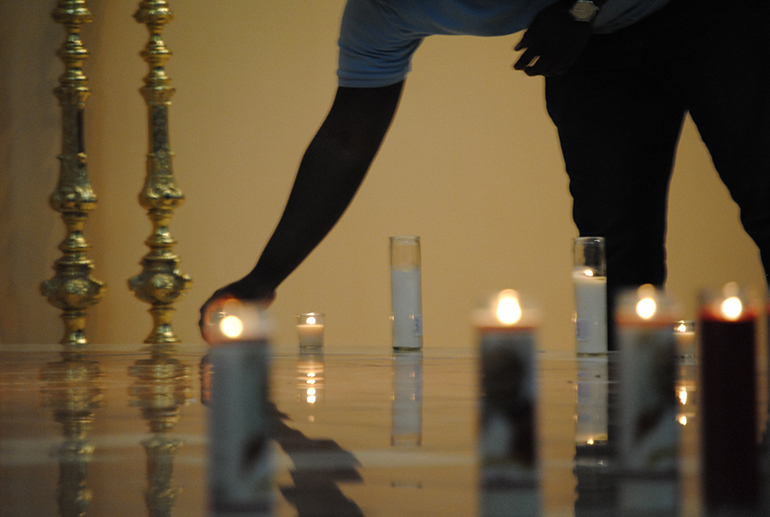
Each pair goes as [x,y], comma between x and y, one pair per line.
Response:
[646,308]
[231,326]
[310,320]
[732,308]
[681,327]
[508,308]
[588,272]
[683,396]
[590,441]
[682,419]
[311,391]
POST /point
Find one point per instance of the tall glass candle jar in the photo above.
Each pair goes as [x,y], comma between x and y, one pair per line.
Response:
[649,432]
[590,279]
[405,273]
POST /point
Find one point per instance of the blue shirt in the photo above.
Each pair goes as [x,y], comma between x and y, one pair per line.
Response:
[378,37]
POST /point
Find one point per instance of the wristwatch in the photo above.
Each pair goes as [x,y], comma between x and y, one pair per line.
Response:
[584,10]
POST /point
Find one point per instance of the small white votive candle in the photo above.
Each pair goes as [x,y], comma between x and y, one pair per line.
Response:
[310,328]
[684,332]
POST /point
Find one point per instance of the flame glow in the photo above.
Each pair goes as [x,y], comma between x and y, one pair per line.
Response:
[683,396]
[732,308]
[646,308]
[231,326]
[508,308]
[310,320]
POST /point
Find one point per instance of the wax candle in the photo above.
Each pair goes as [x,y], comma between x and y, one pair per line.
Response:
[406,294]
[508,423]
[649,433]
[240,456]
[590,284]
[727,338]
[310,328]
[684,332]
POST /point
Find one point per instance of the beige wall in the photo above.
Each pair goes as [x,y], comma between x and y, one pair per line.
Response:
[471,164]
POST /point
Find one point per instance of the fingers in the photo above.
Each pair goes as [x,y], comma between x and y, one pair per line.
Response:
[212,312]
[523,42]
[527,59]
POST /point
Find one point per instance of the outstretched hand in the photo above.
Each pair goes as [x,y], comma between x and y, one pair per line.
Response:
[553,42]
[239,291]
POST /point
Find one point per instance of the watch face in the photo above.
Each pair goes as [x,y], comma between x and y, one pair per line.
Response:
[584,11]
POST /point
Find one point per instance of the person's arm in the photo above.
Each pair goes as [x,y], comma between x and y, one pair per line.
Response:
[329,175]
[554,40]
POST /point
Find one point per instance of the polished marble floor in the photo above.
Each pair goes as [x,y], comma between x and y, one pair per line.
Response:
[359,432]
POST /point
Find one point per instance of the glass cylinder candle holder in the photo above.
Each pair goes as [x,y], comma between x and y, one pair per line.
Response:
[241,461]
[590,280]
[648,409]
[310,329]
[508,424]
[727,333]
[406,294]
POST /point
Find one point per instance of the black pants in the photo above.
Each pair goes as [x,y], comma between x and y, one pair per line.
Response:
[620,110]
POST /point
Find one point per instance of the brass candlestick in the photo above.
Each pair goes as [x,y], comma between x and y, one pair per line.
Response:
[72,289]
[160,283]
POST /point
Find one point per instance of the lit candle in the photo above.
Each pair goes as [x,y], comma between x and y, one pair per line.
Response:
[649,432]
[240,457]
[590,284]
[727,331]
[406,293]
[310,328]
[684,332]
[508,430]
